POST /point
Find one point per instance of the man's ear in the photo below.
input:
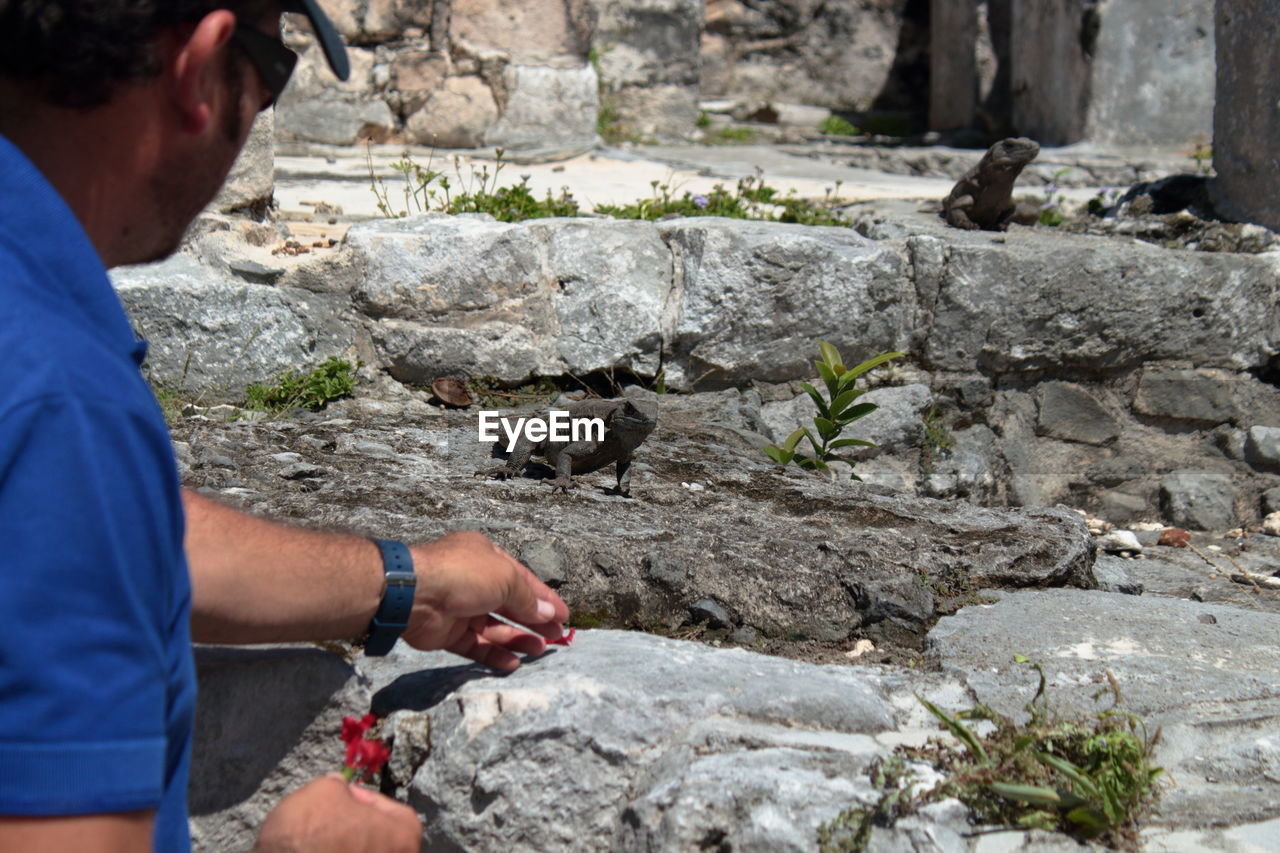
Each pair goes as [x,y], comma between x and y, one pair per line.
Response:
[197,68]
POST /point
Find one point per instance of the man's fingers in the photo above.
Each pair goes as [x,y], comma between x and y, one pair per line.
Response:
[531,602]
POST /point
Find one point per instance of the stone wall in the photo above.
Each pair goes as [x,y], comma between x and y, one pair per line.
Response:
[449,73]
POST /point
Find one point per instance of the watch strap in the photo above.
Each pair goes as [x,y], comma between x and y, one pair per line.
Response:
[397,600]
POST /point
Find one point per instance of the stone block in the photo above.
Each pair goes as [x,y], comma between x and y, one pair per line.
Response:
[1262,448]
[1246,115]
[546,108]
[1198,500]
[457,115]
[1071,413]
[1197,396]
[531,32]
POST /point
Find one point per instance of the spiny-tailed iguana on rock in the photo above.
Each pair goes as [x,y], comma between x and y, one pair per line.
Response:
[627,423]
[983,197]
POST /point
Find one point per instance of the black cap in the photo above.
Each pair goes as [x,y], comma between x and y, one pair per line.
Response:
[330,41]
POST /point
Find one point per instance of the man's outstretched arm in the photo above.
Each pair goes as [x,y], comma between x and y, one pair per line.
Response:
[257,581]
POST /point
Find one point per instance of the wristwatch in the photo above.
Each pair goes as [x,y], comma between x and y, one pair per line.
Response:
[397,600]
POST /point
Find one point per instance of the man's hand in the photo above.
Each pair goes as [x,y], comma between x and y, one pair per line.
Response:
[462,578]
[327,815]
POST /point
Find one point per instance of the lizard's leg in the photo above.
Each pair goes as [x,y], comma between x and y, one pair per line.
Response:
[564,470]
[624,474]
[957,214]
[515,463]
[1005,217]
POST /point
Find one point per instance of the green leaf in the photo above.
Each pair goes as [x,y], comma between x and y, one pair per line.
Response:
[1032,794]
[852,442]
[829,377]
[958,729]
[1087,820]
[875,362]
[842,401]
[1084,785]
[777,454]
[817,399]
[831,356]
[794,439]
[859,411]
[826,428]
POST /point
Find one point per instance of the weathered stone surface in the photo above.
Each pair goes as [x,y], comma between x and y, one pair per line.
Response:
[1071,413]
[1198,500]
[1212,686]
[753,296]
[267,721]
[1198,396]
[634,742]
[648,56]
[1034,301]
[546,107]
[1246,122]
[214,336]
[1150,79]
[838,55]
[319,107]
[251,183]
[532,32]
[1262,447]
[456,115]
[857,560]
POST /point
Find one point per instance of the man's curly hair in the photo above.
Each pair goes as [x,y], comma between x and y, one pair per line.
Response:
[78,51]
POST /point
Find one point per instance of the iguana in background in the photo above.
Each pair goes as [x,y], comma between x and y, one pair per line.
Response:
[983,197]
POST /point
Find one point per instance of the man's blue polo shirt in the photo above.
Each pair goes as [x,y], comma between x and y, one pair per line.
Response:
[97,682]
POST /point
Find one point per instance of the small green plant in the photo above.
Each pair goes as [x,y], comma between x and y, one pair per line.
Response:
[751,198]
[1089,777]
[331,381]
[937,439]
[427,189]
[704,119]
[1051,207]
[834,125]
[730,135]
[836,412]
[1202,153]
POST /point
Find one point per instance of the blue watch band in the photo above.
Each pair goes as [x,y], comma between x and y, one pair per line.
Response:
[393,614]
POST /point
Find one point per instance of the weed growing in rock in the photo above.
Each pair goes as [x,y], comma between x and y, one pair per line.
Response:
[1202,154]
[937,439]
[331,381]
[427,189]
[1051,207]
[834,125]
[730,135]
[834,414]
[1103,201]
[1089,777]
[751,198]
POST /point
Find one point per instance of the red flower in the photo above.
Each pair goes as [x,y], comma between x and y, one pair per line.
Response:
[365,755]
[563,640]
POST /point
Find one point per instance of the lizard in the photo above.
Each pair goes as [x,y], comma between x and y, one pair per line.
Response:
[982,197]
[627,423]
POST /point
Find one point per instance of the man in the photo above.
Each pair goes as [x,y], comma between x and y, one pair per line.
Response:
[119,120]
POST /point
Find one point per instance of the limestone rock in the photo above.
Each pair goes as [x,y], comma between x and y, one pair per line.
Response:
[250,185]
[1198,500]
[1198,396]
[546,108]
[654,742]
[1212,687]
[1071,413]
[1262,448]
[755,295]
[456,115]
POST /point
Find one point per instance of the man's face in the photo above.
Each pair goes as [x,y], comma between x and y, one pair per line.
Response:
[191,176]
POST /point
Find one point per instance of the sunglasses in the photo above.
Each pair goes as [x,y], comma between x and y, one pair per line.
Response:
[273,61]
